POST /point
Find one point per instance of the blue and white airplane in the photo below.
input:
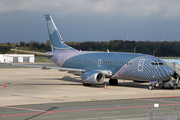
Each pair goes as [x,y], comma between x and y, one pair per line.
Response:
[94,67]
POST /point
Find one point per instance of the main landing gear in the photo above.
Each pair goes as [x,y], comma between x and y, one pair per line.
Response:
[113,81]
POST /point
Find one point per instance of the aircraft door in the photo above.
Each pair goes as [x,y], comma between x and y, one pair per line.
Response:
[140,65]
[99,63]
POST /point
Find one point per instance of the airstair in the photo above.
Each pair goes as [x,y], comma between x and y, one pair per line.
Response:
[175,66]
[174,81]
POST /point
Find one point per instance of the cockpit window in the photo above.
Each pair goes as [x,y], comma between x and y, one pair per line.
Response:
[152,63]
[161,64]
[158,63]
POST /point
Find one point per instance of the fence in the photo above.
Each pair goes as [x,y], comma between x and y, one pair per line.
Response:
[160,115]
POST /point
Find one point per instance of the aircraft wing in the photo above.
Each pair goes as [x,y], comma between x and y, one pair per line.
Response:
[70,70]
[49,67]
[39,53]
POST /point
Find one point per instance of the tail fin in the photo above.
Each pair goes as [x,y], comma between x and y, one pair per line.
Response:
[55,38]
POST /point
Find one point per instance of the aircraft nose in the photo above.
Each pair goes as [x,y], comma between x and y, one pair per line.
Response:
[170,71]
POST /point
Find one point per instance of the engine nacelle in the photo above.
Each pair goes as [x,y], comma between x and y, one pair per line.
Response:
[93,77]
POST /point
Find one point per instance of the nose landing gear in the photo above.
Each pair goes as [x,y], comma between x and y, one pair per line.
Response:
[152,87]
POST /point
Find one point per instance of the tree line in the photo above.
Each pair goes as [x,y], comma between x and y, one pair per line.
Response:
[163,48]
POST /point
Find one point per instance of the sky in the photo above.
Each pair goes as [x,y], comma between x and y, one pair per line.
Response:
[90,20]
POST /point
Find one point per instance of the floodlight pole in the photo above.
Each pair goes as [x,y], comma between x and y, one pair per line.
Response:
[135,49]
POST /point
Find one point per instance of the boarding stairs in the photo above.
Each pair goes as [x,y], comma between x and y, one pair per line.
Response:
[174,81]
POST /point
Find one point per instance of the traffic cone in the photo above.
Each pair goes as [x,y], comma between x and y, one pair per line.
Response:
[105,87]
[4,83]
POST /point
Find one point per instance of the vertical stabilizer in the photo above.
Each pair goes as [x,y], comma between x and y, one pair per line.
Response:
[55,38]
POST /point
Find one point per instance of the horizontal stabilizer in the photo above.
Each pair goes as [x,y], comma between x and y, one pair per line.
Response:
[38,53]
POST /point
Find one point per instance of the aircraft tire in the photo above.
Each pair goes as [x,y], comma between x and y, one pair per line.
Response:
[113,82]
[151,87]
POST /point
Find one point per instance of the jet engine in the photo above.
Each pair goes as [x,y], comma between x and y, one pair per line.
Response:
[93,77]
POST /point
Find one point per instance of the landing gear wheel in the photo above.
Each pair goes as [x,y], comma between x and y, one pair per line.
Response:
[113,82]
[151,87]
[86,84]
[175,86]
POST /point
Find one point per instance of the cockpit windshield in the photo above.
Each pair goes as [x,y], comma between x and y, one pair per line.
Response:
[158,63]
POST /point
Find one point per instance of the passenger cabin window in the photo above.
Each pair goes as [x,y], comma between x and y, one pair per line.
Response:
[119,63]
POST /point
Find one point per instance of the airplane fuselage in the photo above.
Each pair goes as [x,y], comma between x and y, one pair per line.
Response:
[130,66]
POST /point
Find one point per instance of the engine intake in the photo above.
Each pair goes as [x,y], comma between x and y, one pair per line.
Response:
[93,77]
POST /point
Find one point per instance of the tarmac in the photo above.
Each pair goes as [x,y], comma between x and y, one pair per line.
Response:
[33,94]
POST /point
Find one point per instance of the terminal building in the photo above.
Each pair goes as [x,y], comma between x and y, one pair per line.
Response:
[16,58]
